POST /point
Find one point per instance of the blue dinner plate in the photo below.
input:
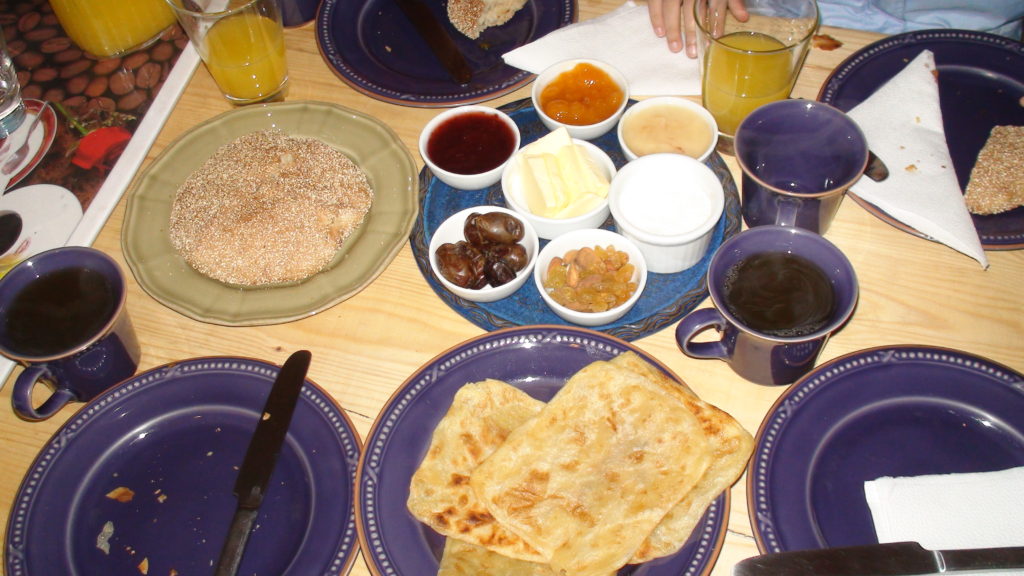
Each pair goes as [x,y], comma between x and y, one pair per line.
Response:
[536,359]
[666,299]
[375,49]
[175,437]
[981,85]
[891,411]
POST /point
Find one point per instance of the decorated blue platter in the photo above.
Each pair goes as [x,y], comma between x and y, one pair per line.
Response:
[665,300]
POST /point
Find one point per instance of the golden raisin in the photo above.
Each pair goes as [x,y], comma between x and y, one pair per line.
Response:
[591,279]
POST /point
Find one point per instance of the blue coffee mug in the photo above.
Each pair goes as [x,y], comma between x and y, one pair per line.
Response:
[798,159]
[756,356]
[106,353]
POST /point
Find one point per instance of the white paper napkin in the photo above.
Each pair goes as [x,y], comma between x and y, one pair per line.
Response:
[903,125]
[950,511]
[623,38]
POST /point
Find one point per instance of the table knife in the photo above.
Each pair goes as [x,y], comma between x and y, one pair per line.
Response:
[438,39]
[901,558]
[261,456]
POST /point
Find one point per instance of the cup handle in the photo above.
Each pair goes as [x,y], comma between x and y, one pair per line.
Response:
[696,322]
[21,396]
[788,209]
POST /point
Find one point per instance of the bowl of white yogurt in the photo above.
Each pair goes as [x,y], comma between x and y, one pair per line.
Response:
[668,205]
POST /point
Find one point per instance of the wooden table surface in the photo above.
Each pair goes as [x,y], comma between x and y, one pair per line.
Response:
[913,291]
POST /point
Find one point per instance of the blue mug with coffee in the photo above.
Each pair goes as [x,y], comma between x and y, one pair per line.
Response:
[779,293]
[63,317]
[798,159]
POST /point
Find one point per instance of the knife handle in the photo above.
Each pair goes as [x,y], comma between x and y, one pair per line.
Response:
[980,559]
[234,544]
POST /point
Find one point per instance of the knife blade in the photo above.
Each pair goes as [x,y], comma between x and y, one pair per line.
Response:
[261,457]
[437,38]
[901,558]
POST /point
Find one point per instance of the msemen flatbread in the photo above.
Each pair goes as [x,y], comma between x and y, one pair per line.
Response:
[731,445]
[464,559]
[481,416]
[586,480]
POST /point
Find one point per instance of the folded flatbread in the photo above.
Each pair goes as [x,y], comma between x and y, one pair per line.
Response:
[464,559]
[481,416]
[587,479]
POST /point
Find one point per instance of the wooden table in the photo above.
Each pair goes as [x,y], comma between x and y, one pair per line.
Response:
[913,291]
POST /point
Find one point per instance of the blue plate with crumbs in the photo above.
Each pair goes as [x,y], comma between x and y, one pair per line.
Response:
[666,299]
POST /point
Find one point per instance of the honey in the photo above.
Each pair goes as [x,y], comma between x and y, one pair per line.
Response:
[591,279]
[581,96]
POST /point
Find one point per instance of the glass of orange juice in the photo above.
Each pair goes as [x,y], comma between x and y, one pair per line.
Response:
[108,28]
[242,44]
[747,64]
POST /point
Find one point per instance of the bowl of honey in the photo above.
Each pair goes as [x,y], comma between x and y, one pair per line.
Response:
[667,124]
[585,96]
[467,147]
[590,277]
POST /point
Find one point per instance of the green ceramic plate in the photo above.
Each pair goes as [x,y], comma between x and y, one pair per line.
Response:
[169,279]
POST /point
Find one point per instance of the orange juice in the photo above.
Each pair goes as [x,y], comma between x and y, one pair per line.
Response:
[106,28]
[245,55]
[743,71]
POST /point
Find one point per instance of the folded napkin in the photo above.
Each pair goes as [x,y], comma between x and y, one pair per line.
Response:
[623,38]
[903,125]
[950,511]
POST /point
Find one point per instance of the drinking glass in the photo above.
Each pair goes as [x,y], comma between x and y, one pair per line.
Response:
[12,109]
[242,44]
[747,64]
[108,28]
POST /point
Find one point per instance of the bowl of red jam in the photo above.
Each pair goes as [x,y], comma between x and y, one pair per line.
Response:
[585,96]
[467,147]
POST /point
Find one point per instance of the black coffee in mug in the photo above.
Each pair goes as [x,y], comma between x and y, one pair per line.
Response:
[779,294]
[59,311]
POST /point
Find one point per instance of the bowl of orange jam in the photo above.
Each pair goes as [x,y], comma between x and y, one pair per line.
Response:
[585,96]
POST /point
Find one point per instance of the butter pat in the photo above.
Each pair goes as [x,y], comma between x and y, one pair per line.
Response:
[560,180]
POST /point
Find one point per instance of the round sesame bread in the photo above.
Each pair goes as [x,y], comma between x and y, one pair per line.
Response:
[471,17]
[268,208]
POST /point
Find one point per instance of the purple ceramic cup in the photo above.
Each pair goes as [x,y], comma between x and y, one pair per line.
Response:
[756,356]
[297,12]
[79,372]
[798,159]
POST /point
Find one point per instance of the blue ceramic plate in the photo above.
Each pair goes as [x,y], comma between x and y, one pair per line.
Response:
[536,359]
[375,49]
[895,411]
[666,299]
[981,85]
[175,436]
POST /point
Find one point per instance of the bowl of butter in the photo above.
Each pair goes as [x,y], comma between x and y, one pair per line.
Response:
[559,184]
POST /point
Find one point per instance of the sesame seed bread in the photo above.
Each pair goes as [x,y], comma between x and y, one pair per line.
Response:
[471,17]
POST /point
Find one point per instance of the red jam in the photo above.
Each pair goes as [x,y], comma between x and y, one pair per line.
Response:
[471,143]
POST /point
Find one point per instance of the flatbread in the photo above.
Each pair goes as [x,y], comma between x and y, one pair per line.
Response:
[480,418]
[586,480]
[732,446]
[464,559]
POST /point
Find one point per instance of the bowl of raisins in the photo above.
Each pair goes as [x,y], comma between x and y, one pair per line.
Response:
[483,253]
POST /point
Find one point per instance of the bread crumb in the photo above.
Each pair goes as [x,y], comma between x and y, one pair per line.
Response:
[121,494]
[103,538]
[825,42]
[911,168]
[144,566]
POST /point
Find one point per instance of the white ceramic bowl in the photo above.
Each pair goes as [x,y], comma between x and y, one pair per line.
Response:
[697,111]
[581,239]
[668,204]
[451,231]
[589,131]
[466,181]
[548,228]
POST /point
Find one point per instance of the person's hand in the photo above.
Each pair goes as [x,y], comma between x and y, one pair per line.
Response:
[666,21]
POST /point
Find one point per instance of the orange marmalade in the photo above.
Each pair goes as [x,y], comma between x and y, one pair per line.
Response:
[581,96]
